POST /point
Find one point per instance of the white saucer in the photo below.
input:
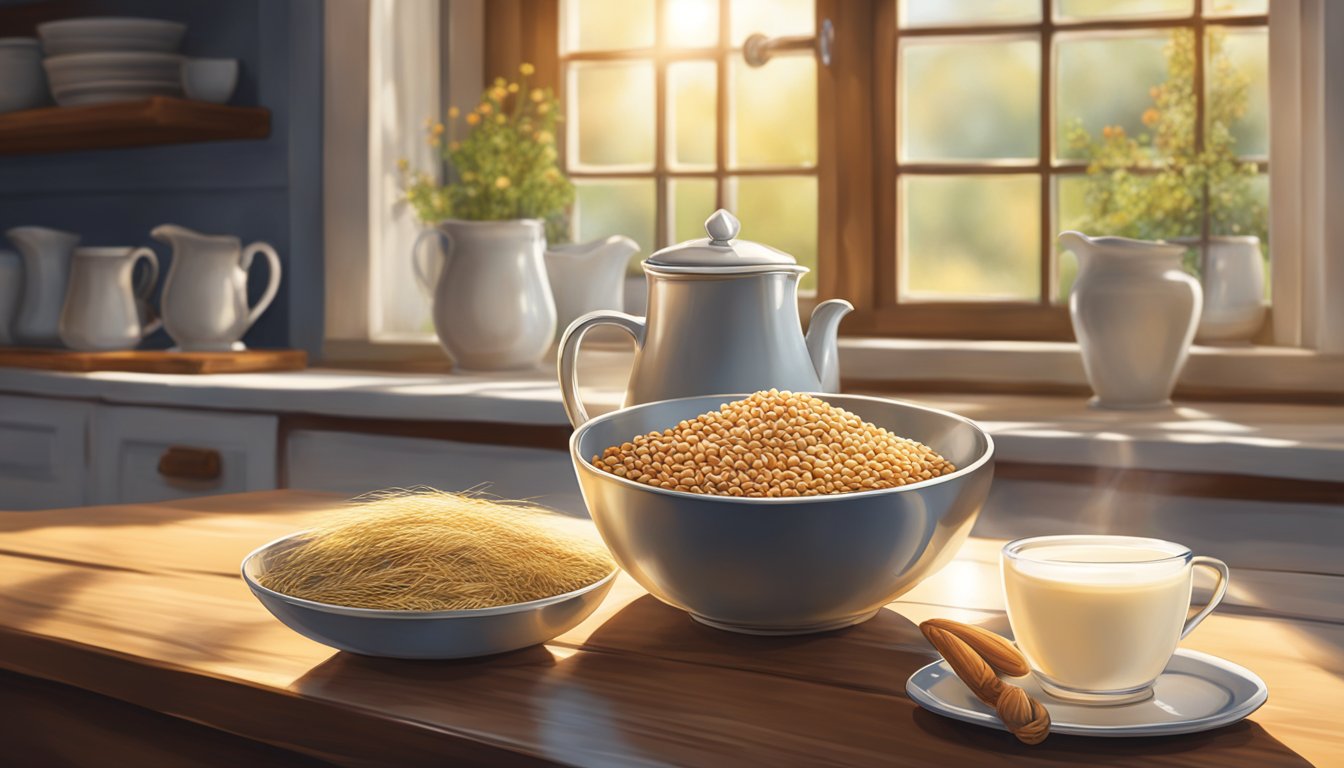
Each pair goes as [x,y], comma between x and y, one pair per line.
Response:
[1196,692]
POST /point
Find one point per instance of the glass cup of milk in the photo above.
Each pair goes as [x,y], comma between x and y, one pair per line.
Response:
[1099,617]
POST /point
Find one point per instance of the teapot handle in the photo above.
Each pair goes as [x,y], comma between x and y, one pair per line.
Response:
[422,265]
[145,285]
[569,355]
[271,287]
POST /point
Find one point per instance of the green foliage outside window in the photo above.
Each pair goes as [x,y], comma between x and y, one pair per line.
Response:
[1152,186]
[505,167]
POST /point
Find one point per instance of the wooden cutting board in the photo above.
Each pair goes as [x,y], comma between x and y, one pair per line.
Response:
[155,361]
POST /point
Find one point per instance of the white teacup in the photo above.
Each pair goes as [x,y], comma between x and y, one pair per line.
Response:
[1099,617]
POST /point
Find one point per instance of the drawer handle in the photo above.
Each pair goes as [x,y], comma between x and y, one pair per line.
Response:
[182,463]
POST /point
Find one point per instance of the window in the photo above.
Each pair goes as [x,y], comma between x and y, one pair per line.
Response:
[989,116]
[666,122]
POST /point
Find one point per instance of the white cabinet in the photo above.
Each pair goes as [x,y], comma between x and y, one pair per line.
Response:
[353,463]
[44,458]
[129,447]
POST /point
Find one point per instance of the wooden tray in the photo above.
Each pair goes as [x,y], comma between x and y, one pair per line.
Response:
[156,361]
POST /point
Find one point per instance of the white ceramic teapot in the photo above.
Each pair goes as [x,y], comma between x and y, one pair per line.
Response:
[723,318]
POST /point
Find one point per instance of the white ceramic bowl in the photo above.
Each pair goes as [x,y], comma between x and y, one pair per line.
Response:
[211,80]
[104,34]
[23,85]
[109,91]
[85,68]
[785,565]
[423,634]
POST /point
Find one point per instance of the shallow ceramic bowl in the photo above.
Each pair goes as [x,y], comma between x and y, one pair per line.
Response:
[422,634]
[786,565]
[104,34]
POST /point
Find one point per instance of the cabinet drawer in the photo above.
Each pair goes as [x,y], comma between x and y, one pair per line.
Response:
[155,454]
[352,463]
[43,452]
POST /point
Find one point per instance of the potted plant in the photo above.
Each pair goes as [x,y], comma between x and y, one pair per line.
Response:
[1154,186]
[492,306]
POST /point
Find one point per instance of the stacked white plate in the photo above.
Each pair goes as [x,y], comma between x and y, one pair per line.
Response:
[101,60]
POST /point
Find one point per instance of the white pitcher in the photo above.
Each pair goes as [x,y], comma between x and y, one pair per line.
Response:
[205,294]
[493,308]
[1134,312]
[1232,275]
[46,271]
[586,277]
[102,309]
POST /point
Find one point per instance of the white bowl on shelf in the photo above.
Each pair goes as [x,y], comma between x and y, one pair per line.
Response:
[83,68]
[104,34]
[110,91]
[210,80]
[23,85]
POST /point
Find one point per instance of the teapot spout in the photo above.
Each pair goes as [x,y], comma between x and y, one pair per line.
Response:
[822,343]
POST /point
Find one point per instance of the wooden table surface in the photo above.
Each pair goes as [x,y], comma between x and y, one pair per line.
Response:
[142,605]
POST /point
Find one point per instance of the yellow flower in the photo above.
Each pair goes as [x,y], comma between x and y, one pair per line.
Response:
[501,119]
[513,87]
[485,108]
[499,82]
[543,109]
[453,112]
[498,93]
[473,119]
[526,68]
[545,137]
[502,182]
[1150,116]
[551,174]
[437,130]
[537,94]
[403,164]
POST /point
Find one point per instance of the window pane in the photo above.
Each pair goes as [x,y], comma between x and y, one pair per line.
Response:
[691,23]
[692,203]
[1122,9]
[611,115]
[781,212]
[605,207]
[1235,7]
[771,18]
[930,13]
[774,113]
[970,100]
[1238,89]
[604,25]
[970,237]
[692,97]
[1105,84]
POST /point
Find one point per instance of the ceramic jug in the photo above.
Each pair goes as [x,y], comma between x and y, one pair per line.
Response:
[205,294]
[1134,313]
[492,305]
[102,309]
[723,319]
[46,271]
[588,276]
[1232,276]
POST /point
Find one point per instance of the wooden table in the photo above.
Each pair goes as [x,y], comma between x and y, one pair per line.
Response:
[127,633]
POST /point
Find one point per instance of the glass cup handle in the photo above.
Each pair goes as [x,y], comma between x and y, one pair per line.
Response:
[1219,591]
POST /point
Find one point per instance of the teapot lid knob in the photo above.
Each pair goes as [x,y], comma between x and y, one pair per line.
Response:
[722,227]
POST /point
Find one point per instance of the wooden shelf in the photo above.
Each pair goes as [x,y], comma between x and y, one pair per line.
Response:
[158,120]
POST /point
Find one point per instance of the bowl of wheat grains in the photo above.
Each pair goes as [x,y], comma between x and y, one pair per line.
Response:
[779,512]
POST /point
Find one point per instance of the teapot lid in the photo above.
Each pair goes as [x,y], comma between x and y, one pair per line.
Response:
[721,251]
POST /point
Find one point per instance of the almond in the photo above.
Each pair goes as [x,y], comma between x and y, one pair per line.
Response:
[1000,654]
[1024,716]
[966,663]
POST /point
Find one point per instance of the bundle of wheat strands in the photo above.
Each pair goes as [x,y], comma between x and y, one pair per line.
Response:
[435,551]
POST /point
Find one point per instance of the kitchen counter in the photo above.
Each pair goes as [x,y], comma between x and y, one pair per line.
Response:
[135,616]
[1299,442]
